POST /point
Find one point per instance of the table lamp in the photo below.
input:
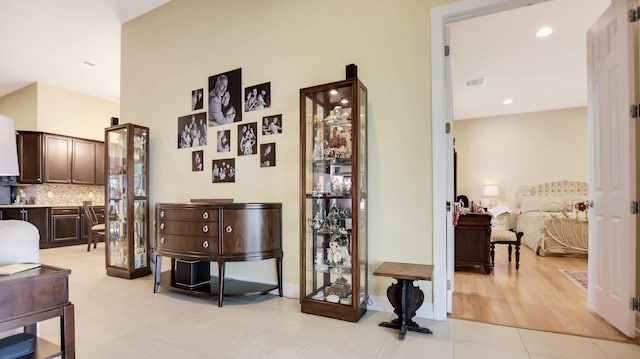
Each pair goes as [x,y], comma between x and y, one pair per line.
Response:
[8,149]
[490,191]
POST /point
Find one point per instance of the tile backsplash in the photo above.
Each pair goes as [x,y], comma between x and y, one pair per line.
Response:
[50,194]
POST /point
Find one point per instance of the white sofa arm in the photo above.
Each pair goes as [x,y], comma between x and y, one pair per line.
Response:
[19,242]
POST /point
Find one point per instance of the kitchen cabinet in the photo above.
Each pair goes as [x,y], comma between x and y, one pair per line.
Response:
[39,217]
[57,159]
[30,157]
[69,160]
[333,200]
[65,226]
[83,161]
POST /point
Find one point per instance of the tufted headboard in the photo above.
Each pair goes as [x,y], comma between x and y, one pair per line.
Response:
[560,188]
[560,192]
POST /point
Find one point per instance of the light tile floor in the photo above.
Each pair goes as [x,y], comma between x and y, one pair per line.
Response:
[119,318]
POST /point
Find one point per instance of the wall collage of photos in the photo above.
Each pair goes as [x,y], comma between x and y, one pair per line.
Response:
[226,105]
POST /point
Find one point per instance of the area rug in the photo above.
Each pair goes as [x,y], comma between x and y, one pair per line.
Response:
[578,277]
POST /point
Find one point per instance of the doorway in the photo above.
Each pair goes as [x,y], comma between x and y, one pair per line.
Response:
[443,139]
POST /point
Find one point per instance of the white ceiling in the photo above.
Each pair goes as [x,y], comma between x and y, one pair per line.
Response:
[49,40]
[536,73]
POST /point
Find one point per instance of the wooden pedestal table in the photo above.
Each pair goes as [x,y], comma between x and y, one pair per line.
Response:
[404,296]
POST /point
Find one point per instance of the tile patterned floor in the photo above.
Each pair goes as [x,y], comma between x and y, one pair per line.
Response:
[118,318]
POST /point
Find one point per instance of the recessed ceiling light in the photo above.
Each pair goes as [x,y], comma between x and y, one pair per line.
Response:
[88,64]
[333,92]
[507,101]
[344,101]
[544,31]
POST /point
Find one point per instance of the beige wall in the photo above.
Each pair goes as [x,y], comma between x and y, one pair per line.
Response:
[520,150]
[72,113]
[292,44]
[21,105]
[42,107]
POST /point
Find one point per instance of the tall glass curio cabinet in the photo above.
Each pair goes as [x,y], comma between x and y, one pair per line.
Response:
[127,201]
[333,200]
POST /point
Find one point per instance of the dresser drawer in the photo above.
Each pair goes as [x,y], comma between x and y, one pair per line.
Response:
[187,244]
[196,228]
[210,215]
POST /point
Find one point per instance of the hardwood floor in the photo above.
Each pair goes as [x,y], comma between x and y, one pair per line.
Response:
[538,296]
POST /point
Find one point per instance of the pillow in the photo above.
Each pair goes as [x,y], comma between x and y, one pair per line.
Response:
[542,203]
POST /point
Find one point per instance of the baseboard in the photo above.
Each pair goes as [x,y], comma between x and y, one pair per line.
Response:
[376,303]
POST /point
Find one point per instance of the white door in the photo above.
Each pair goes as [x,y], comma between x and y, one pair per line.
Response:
[450,192]
[612,233]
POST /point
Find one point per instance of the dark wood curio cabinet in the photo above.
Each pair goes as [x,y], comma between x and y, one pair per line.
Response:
[127,202]
[333,200]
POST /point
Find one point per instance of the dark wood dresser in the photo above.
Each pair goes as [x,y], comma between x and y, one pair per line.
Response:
[473,241]
[218,232]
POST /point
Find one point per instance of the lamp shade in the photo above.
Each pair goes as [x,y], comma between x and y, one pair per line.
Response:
[490,190]
[8,149]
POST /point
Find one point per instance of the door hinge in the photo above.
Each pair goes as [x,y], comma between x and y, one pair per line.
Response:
[448,284]
[448,206]
[446,50]
[447,128]
[635,207]
[634,304]
[634,14]
[634,111]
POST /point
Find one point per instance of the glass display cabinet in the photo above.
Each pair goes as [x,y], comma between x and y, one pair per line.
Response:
[127,204]
[333,181]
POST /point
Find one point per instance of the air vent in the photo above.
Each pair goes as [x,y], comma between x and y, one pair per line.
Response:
[476,82]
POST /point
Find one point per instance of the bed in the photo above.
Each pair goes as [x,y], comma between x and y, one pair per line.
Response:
[553,218]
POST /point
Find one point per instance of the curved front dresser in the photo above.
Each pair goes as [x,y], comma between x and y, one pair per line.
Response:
[225,232]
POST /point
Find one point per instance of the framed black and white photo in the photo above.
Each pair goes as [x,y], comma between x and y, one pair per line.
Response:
[247,139]
[257,97]
[223,141]
[267,155]
[197,99]
[223,170]
[225,98]
[272,125]
[197,161]
[192,130]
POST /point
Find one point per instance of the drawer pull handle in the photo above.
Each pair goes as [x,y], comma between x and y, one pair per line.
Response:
[205,228]
[205,244]
[162,240]
[229,229]
[205,215]
[161,225]
[161,214]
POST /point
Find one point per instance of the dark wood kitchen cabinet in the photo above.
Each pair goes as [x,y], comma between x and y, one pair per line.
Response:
[50,158]
[83,161]
[473,241]
[65,226]
[39,217]
[57,159]
[73,160]
[30,157]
